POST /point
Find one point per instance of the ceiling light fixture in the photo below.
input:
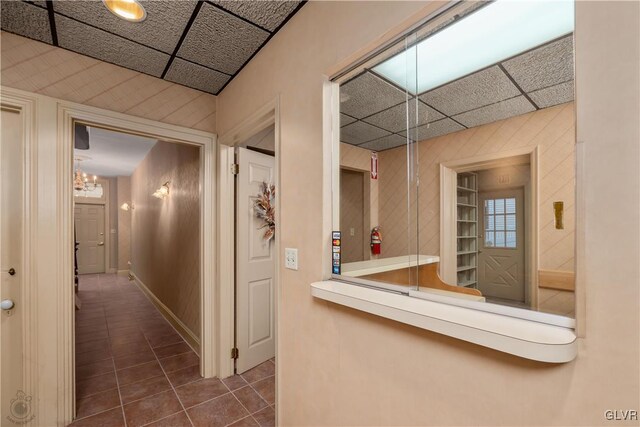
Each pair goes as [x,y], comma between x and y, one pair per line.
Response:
[498,31]
[129,10]
[162,192]
[127,206]
[81,181]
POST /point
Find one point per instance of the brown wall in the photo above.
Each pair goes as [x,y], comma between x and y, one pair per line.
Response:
[124,223]
[41,68]
[338,366]
[551,129]
[165,233]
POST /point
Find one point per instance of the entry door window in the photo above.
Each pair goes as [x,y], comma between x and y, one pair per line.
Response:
[500,223]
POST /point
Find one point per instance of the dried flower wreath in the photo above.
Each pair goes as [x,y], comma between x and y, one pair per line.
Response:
[265,209]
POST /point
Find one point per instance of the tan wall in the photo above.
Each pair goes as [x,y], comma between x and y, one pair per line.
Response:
[551,129]
[113,224]
[165,233]
[124,223]
[41,68]
[338,366]
[352,203]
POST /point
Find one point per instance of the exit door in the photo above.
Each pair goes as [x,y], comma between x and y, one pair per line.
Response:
[89,223]
[255,265]
[502,244]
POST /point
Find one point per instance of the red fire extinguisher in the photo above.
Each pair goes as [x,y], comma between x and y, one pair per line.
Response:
[376,241]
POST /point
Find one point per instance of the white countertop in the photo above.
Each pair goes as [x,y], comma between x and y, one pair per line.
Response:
[380,265]
[518,336]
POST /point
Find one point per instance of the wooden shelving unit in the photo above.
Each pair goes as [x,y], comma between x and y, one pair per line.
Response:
[467,238]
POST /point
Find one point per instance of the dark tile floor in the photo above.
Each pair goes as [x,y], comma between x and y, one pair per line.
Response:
[133,369]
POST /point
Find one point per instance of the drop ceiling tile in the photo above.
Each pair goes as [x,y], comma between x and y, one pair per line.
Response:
[41,3]
[498,111]
[26,20]
[385,143]
[395,119]
[161,29]
[196,76]
[99,44]
[360,132]
[431,130]
[346,120]
[554,95]
[476,90]
[367,94]
[221,41]
[543,67]
[267,14]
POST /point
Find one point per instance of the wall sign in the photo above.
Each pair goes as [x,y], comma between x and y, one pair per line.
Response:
[335,248]
[374,166]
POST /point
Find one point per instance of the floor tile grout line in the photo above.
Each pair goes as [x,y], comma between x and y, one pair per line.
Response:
[170,384]
[168,416]
[119,394]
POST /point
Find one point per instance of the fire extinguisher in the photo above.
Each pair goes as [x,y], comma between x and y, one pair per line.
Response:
[376,241]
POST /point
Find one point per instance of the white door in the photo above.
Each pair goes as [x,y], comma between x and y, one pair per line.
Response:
[16,401]
[89,223]
[501,260]
[255,265]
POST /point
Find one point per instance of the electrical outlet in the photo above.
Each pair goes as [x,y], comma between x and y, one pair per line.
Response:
[291,258]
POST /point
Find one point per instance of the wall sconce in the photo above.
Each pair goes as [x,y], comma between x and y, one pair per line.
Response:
[162,192]
[127,206]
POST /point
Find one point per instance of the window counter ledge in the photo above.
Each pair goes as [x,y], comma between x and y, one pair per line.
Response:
[520,337]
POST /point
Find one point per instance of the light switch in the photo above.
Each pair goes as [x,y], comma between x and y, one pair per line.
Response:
[291,258]
[352,231]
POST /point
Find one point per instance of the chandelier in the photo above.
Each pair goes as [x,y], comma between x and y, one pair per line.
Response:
[81,181]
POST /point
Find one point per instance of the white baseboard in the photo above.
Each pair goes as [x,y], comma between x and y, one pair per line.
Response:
[169,315]
[123,272]
[112,270]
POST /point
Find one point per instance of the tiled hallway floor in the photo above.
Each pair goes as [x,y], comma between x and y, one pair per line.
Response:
[133,369]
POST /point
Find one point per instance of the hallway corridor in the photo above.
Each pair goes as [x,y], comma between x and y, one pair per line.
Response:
[133,369]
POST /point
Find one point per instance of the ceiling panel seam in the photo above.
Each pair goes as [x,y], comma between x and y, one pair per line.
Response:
[526,95]
[217,6]
[52,22]
[187,28]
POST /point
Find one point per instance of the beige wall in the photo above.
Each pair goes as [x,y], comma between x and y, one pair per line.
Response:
[352,203]
[343,367]
[551,129]
[124,223]
[113,224]
[41,68]
[165,233]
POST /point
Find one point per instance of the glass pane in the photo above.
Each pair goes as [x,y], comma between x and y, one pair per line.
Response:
[488,207]
[511,239]
[499,222]
[499,206]
[489,238]
[488,222]
[511,222]
[511,205]
[499,239]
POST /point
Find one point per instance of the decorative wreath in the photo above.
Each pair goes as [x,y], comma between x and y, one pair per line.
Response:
[265,209]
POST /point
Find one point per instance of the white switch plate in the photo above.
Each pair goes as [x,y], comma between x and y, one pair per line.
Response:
[291,258]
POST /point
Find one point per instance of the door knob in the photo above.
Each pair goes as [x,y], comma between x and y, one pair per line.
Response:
[101,244]
[7,304]
[11,271]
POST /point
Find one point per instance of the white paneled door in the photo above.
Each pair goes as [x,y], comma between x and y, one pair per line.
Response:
[255,265]
[89,223]
[501,263]
[16,401]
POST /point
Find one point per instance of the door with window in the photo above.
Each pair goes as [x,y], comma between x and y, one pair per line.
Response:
[501,263]
[89,223]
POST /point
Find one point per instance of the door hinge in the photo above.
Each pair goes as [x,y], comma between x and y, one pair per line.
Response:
[235,168]
[234,353]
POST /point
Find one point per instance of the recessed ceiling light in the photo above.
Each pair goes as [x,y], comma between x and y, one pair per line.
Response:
[129,10]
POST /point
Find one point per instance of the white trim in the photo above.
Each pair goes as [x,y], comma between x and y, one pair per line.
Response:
[27,107]
[67,113]
[177,324]
[523,338]
[264,117]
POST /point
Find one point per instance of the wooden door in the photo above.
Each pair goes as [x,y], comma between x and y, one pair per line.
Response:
[255,265]
[501,264]
[89,223]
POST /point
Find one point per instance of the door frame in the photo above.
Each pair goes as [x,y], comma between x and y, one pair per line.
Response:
[26,106]
[68,114]
[264,117]
[448,212]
